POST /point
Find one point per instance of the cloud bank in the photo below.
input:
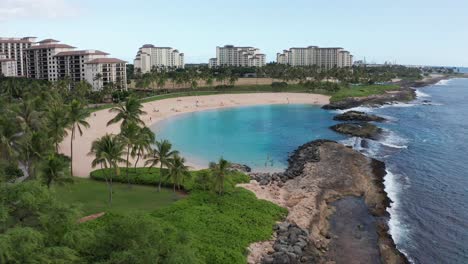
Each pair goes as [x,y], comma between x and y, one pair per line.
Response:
[36,9]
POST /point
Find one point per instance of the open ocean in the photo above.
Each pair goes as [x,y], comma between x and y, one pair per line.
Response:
[426,152]
[425,147]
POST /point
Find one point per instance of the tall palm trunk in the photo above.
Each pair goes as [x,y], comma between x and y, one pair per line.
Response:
[71,149]
[160,176]
[128,155]
[136,162]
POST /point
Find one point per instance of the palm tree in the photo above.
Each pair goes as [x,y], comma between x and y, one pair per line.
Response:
[219,171]
[28,117]
[53,170]
[128,112]
[178,171]
[162,154]
[203,179]
[107,152]
[56,122]
[97,77]
[142,144]
[129,135]
[77,115]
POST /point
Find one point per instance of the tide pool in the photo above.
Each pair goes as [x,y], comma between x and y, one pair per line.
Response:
[261,137]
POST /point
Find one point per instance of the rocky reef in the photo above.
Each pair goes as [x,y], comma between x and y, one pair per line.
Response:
[357,116]
[320,173]
[363,130]
[401,95]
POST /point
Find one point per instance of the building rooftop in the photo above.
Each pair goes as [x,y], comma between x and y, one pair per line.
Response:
[50,46]
[81,52]
[105,60]
[48,41]
[15,40]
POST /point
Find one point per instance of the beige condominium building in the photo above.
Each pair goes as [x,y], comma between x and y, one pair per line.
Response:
[150,56]
[8,67]
[51,60]
[238,57]
[103,71]
[13,49]
[322,57]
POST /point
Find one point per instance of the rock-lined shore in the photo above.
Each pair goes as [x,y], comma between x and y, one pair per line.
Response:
[320,173]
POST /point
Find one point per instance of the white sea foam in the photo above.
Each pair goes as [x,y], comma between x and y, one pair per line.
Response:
[393,140]
[420,94]
[443,82]
[393,186]
[398,104]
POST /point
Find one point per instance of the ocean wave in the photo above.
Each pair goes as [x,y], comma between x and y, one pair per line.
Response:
[443,82]
[421,94]
[393,140]
[398,229]
[398,104]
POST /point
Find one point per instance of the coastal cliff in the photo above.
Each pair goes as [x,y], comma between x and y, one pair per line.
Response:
[321,173]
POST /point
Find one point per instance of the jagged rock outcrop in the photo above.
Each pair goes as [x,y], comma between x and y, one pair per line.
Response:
[363,130]
[240,167]
[358,116]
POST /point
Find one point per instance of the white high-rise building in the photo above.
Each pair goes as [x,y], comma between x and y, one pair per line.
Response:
[53,61]
[40,59]
[150,56]
[13,49]
[8,67]
[238,57]
[326,58]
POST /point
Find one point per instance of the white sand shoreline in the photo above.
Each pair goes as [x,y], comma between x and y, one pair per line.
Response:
[166,108]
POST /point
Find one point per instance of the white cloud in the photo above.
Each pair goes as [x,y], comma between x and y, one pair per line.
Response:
[13,9]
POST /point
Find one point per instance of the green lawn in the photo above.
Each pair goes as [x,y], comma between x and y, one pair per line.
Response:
[93,197]
[360,91]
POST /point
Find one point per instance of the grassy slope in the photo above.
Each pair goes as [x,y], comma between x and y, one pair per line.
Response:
[93,197]
[360,91]
[222,226]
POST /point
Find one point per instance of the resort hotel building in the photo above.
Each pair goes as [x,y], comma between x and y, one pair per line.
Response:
[13,49]
[150,56]
[51,60]
[326,58]
[238,57]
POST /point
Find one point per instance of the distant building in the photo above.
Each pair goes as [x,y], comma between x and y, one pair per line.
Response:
[8,67]
[326,58]
[51,60]
[13,48]
[40,59]
[103,71]
[72,64]
[238,57]
[150,56]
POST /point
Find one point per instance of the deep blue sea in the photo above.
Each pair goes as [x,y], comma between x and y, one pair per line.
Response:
[425,148]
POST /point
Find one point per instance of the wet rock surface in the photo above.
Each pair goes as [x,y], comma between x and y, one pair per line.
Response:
[358,116]
[363,130]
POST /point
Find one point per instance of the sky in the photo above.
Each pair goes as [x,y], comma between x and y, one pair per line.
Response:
[411,32]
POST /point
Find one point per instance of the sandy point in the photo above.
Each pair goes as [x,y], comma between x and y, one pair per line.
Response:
[162,109]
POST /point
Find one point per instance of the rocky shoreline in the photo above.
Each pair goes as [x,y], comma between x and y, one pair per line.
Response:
[320,173]
[404,94]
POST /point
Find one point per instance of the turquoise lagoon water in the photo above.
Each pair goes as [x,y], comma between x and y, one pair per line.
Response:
[261,137]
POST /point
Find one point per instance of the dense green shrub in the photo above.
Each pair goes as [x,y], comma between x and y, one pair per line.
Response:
[223,226]
[279,86]
[150,176]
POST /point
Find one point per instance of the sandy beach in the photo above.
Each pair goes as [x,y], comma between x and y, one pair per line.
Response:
[162,109]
